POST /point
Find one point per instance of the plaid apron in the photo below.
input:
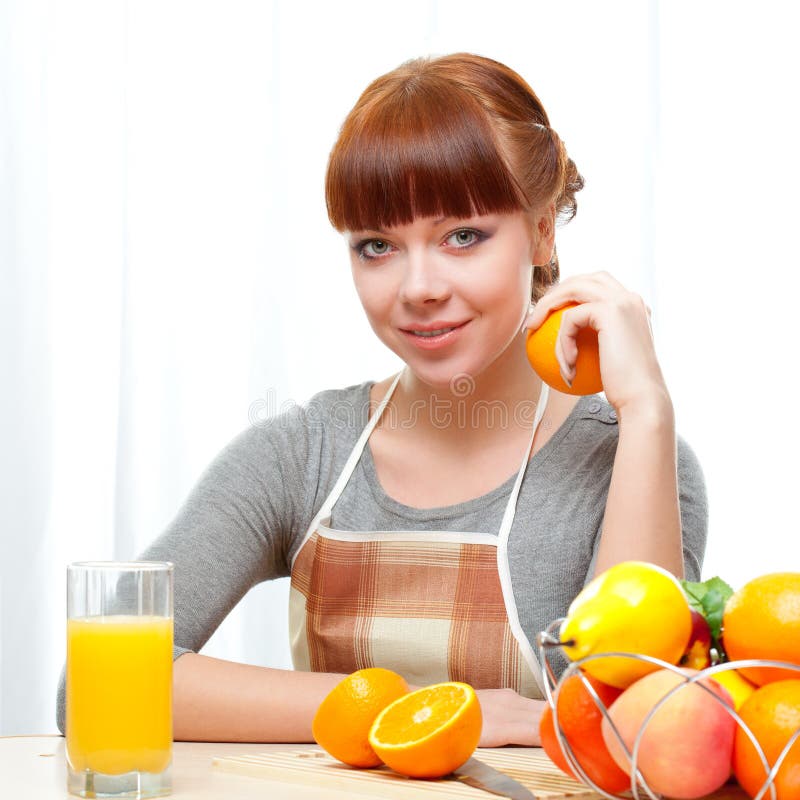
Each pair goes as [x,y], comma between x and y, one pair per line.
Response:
[431,605]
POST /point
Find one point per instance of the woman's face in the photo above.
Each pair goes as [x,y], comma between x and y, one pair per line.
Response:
[449,295]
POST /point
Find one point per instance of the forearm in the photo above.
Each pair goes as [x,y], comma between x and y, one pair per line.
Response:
[222,701]
[642,516]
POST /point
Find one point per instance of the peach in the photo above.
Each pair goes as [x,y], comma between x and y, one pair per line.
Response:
[687,746]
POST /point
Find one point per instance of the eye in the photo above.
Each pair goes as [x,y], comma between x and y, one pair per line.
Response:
[372,248]
[463,238]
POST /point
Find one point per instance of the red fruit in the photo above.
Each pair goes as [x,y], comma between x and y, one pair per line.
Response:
[698,650]
[581,720]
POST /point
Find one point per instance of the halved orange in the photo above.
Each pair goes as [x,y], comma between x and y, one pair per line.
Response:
[430,732]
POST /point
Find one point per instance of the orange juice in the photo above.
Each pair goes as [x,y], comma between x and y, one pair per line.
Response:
[119,694]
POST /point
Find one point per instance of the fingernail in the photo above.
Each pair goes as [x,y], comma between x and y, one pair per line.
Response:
[567,380]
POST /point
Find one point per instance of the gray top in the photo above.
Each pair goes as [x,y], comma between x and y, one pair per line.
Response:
[244,520]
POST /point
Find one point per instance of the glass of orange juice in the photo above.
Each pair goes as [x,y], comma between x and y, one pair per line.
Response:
[119,678]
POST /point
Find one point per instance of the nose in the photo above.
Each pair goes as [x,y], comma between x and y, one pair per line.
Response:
[424,281]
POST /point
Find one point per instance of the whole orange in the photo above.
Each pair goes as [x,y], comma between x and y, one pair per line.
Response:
[343,719]
[772,713]
[541,349]
[762,620]
[580,719]
[430,732]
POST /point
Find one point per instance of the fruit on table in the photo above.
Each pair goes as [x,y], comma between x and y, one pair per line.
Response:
[773,715]
[762,620]
[739,688]
[580,717]
[430,732]
[687,746]
[541,349]
[698,651]
[632,607]
[342,721]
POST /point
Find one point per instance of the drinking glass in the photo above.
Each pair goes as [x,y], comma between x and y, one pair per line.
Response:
[119,678]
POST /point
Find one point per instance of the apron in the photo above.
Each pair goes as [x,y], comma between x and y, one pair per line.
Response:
[433,606]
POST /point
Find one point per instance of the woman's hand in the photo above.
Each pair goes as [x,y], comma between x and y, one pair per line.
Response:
[509,718]
[642,514]
[628,364]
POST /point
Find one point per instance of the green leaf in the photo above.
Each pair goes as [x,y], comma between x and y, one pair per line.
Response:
[694,592]
[716,583]
[709,598]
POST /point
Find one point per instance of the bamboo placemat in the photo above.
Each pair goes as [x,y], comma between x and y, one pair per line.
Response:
[533,769]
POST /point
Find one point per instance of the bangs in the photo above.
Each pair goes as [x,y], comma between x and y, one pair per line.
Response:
[417,149]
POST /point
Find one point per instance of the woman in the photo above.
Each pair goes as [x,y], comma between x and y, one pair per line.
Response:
[434,521]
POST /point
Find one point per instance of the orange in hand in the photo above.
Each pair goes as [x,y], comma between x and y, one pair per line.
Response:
[541,349]
[762,620]
[772,713]
[581,720]
[430,732]
[343,719]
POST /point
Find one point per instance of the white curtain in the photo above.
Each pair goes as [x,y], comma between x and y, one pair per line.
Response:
[167,273]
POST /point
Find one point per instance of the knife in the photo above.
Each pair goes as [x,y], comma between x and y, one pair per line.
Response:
[481,776]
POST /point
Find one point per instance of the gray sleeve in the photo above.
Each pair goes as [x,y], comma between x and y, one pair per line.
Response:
[234,529]
[694,511]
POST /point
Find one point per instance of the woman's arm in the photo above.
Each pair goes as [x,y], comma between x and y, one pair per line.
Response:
[223,701]
[642,516]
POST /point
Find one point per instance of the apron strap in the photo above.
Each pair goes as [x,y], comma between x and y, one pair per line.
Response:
[349,465]
[503,568]
[511,506]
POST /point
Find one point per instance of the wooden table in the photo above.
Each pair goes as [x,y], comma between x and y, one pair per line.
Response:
[34,768]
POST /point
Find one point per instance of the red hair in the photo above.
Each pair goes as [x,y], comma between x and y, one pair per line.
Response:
[452,136]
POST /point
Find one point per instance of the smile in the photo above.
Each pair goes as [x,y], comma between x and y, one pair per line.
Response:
[435,338]
[432,333]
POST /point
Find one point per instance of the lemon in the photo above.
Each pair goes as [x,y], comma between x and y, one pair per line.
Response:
[737,685]
[632,607]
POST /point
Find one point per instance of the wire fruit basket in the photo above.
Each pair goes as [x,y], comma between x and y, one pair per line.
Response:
[548,641]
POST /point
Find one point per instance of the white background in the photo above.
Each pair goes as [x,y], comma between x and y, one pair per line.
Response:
[167,269]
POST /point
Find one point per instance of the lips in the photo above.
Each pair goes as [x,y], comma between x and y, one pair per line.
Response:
[430,327]
[434,335]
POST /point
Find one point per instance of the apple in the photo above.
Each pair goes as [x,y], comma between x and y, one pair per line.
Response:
[698,650]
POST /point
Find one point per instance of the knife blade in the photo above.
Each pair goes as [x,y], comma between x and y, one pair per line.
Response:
[481,776]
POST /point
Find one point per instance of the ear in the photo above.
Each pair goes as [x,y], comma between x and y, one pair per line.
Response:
[544,235]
